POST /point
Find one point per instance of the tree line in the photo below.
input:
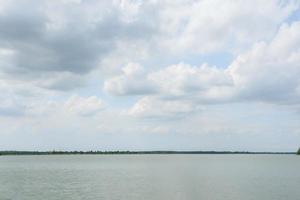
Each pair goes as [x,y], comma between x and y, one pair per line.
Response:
[55,152]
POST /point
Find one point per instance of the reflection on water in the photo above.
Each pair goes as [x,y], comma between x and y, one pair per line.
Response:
[138,177]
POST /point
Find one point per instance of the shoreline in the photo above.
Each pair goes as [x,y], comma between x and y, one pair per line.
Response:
[17,153]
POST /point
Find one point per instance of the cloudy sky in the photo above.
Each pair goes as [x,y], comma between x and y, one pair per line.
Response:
[150,75]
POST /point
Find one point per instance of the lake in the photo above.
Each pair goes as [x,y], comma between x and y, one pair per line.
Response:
[143,177]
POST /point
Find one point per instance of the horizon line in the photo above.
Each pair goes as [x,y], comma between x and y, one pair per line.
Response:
[95,152]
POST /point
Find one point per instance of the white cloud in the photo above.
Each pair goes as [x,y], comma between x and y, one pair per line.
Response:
[183,79]
[270,71]
[155,51]
[152,107]
[84,106]
[54,38]
[211,25]
[133,81]
[35,107]
[75,37]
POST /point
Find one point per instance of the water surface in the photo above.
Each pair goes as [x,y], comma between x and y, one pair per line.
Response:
[142,177]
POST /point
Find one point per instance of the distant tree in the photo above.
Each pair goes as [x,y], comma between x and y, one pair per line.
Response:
[298,152]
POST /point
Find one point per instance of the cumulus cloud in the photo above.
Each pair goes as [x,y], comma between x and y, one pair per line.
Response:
[172,81]
[45,38]
[162,57]
[268,72]
[132,81]
[84,106]
[34,106]
[27,107]
[152,107]
[180,79]
[210,25]
[181,90]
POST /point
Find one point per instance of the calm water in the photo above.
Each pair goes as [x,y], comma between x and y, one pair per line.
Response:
[142,177]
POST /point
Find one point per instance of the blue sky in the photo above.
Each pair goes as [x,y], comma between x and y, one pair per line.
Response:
[150,75]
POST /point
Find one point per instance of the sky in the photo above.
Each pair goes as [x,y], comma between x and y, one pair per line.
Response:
[150,75]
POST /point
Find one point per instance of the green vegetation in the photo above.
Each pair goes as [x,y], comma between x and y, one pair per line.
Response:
[132,152]
[298,152]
